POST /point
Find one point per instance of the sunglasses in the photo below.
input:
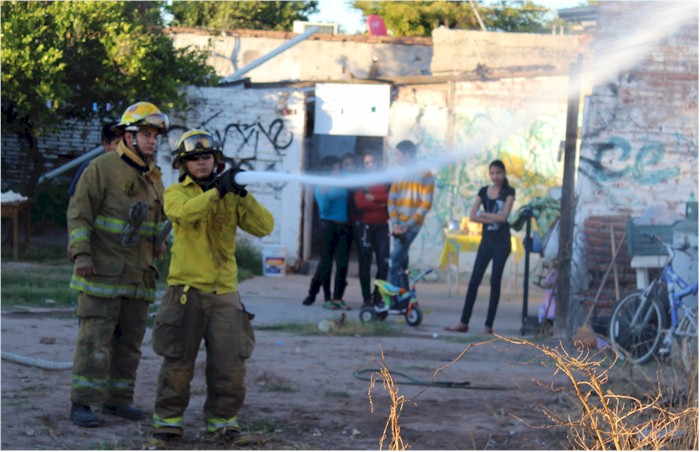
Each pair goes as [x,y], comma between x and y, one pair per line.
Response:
[196,157]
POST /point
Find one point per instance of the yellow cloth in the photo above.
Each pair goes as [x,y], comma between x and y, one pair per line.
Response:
[456,242]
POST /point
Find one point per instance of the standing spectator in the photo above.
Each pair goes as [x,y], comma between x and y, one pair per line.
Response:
[202,300]
[333,210]
[110,141]
[372,231]
[409,201]
[496,201]
[113,218]
[348,167]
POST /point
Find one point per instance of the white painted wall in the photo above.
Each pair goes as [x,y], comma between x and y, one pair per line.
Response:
[265,129]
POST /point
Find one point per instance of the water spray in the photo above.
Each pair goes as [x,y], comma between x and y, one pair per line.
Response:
[651,23]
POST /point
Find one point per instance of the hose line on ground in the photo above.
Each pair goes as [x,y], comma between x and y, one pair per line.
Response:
[37,362]
[409,380]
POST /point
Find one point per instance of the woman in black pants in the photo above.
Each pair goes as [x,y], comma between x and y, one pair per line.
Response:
[491,208]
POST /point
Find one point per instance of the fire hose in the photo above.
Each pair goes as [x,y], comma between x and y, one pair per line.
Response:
[409,380]
[37,362]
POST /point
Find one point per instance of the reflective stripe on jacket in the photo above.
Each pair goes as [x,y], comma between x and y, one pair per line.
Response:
[205,226]
[97,215]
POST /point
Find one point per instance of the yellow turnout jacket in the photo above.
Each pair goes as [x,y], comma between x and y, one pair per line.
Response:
[205,235]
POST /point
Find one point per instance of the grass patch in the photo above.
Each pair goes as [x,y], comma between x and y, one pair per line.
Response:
[263,425]
[349,328]
[44,274]
[31,284]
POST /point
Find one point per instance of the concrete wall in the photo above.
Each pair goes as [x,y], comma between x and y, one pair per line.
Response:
[319,58]
[639,145]
[457,51]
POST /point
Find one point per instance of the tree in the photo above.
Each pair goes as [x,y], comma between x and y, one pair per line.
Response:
[421,17]
[260,15]
[81,60]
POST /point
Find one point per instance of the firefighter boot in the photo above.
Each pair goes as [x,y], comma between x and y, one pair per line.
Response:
[82,416]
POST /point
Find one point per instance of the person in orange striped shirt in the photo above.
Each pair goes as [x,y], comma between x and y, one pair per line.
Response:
[409,201]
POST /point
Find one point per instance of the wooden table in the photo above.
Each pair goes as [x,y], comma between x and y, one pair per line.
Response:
[13,210]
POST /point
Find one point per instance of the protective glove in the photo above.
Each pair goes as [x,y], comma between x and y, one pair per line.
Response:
[226,183]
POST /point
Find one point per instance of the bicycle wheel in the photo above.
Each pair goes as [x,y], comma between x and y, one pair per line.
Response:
[636,327]
[688,335]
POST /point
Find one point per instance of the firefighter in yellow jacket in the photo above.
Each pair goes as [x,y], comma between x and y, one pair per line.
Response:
[202,300]
[113,219]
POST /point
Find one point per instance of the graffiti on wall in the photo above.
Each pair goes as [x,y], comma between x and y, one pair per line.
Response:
[531,154]
[616,159]
[256,146]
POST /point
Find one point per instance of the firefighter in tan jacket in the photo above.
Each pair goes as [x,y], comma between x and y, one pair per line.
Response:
[202,301]
[113,219]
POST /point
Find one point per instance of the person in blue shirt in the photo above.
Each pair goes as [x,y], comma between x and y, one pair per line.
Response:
[110,141]
[333,211]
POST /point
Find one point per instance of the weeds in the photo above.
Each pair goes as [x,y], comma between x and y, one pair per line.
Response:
[607,420]
[603,419]
[395,408]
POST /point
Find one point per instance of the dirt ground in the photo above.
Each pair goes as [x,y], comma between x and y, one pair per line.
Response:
[302,394]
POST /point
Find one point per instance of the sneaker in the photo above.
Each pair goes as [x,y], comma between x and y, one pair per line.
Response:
[162,441]
[125,412]
[330,305]
[82,416]
[341,304]
[308,301]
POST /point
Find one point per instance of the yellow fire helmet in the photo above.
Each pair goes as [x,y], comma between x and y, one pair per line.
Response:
[143,114]
[193,142]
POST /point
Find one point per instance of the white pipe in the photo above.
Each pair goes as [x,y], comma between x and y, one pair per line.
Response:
[73,163]
[263,59]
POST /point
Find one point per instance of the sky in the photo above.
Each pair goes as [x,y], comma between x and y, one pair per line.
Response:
[350,19]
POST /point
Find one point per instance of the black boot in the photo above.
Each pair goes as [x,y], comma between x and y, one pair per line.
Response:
[125,411]
[82,416]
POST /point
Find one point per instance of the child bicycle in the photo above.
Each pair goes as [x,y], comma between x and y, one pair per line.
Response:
[396,300]
[639,325]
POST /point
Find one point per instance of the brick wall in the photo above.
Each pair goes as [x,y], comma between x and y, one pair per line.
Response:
[73,140]
[599,252]
[639,145]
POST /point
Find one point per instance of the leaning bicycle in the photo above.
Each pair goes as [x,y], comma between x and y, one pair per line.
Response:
[639,325]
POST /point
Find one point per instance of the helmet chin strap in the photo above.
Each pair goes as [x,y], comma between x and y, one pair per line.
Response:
[135,144]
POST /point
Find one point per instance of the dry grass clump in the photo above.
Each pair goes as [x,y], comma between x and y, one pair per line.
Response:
[607,420]
[657,418]
[397,403]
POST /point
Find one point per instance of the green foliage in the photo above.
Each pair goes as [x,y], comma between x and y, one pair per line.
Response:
[545,211]
[76,54]
[249,260]
[255,15]
[50,202]
[419,18]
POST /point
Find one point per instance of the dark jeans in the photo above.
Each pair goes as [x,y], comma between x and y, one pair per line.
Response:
[337,238]
[488,250]
[398,259]
[371,239]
